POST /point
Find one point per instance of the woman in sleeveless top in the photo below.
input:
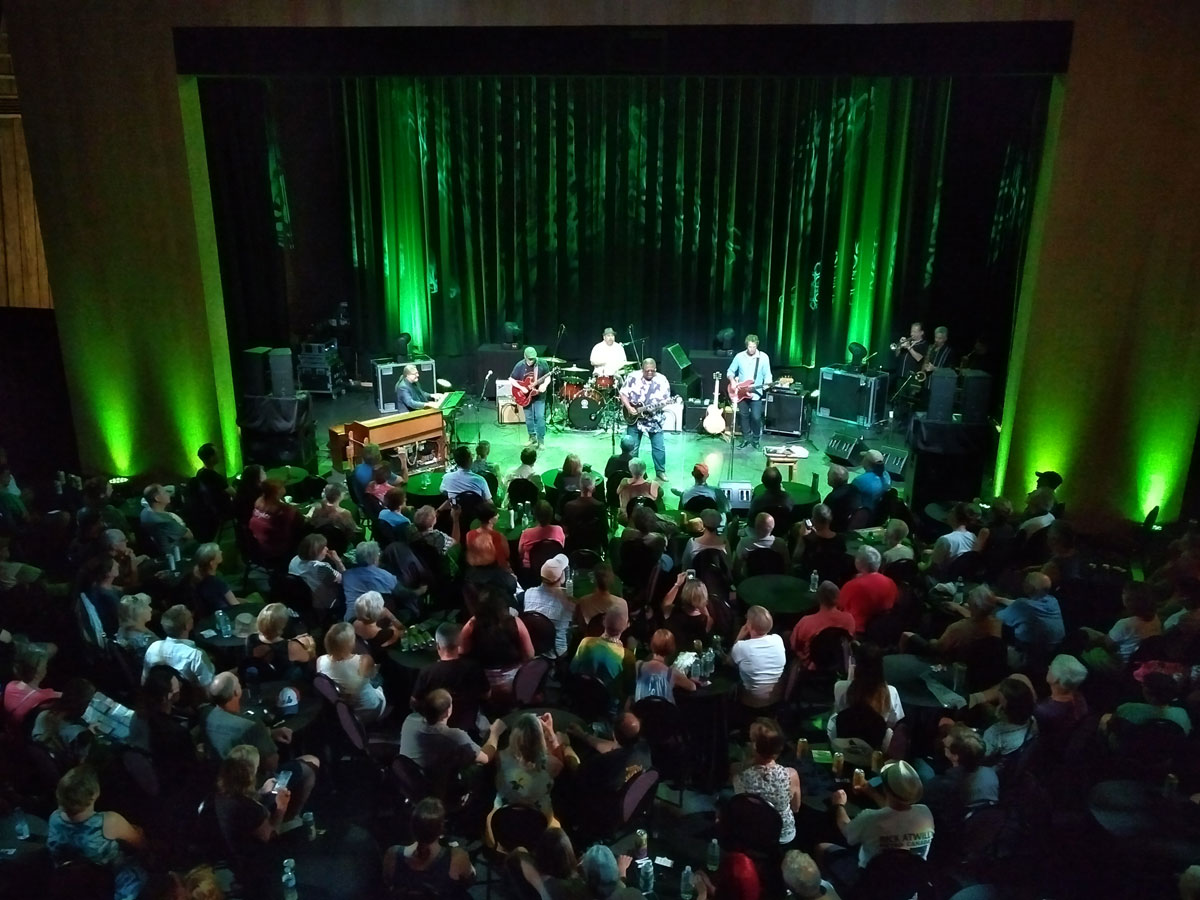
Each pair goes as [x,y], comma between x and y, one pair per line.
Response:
[778,785]
[275,657]
[656,677]
[635,485]
[351,672]
[496,640]
[425,868]
[77,831]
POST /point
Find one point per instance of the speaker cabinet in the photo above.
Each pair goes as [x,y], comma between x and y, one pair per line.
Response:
[976,396]
[853,397]
[507,412]
[283,375]
[675,363]
[784,413]
[687,388]
[387,375]
[256,371]
[693,415]
[845,449]
[942,385]
[499,359]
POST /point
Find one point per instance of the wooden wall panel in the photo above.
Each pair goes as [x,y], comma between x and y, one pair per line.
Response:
[23,278]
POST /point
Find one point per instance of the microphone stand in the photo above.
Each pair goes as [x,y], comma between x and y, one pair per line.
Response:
[476,404]
[549,392]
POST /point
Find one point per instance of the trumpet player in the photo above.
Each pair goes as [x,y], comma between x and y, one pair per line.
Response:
[911,351]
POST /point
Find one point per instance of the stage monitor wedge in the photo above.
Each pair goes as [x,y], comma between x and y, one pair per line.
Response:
[675,363]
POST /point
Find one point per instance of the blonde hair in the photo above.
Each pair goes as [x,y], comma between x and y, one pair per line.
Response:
[248,753]
[272,620]
[339,639]
[693,594]
[131,607]
[201,884]
[527,741]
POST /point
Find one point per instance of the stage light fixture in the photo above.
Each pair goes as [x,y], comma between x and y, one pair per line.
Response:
[402,344]
[512,334]
[723,342]
[857,351]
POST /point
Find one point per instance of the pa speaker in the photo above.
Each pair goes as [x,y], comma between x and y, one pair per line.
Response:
[256,371]
[283,375]
[675,363]
[976,396]
[942,385]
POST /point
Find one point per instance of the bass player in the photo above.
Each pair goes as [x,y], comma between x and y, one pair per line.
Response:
[644,395]
[530,373]
[749,375]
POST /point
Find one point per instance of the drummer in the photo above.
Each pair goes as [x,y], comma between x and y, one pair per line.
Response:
[608,357]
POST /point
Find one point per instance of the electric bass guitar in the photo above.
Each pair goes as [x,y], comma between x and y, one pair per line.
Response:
[714,419]
[529,388]
[742,390]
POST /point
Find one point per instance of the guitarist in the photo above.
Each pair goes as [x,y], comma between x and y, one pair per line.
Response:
[528,372]
[642,390]
[753,366]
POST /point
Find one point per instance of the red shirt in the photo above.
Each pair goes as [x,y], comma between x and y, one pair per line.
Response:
[499,543]
[866,596]
[531,536]
[812,625]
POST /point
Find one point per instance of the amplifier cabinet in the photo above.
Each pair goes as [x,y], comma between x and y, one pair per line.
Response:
[854,397]
[784,413]
[507,412]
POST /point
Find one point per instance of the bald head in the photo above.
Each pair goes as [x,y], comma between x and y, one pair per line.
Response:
[759,620]
[764,524]
[224,689]
[837,476]
[1037,584]
[628,729]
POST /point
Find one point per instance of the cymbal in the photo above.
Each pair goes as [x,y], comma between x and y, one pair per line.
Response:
[629,367]
[444,382]
[574,369]
[553,359]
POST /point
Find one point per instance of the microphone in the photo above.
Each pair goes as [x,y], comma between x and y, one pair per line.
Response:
[488,375]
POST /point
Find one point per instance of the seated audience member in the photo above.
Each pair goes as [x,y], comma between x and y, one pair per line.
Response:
[614,762]
[635,485]
[275,656]
[526,469]
[1035,619]
[553,865]
[762,775]
[1015,723]
[953,544]
[134,634]
[760,658]
[773,495]
[424,867]
[874,481]
[61,726]
[274,523]
[569,476]
[868,687]
[487,551]
[497,640]
[25,693]
[462,676]
[97,499]
[157,729]
[602,875]
[605,657]
[178,651]
[802,877]
[374,624]
[528,765]
[551,600]
[330,512]
[393,500]
[481,466]
[827,616]
[644,538]
[1187,619]
[685,611]
[709,539]
[321,568]
[1112,651]
[894,535]
[617,466]
[843,498]
[585,516]
[380,483]
[440,749]
[966,785]
[901,823]
[97,581]
[367,575]
[1065,565]
[115,544]
[869,593]
[1066,704]
[1038,515]
[165,530]
[701,488]
[820,549]
[424,520]
[979,621]
[210,590]
[760,538]
[1158,693]
[998,539]
[364,472]
[544,530]
[246,493]
[352,673]
[247,817]
[600,600]
[462,480]
[656,676]
[76,831]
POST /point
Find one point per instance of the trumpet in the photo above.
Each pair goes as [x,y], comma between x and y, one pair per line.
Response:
[901,344]
[919,377]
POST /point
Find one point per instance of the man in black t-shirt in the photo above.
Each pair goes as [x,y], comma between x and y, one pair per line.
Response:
[212,502]
[464,678]
[525,374]
[911,351]
[615,761]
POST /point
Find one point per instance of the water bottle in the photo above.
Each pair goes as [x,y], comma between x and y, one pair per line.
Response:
[289,879]
[20,824]
[960,591]
[223,624]
[814,581]
[310,826]
[646,876]
[686,890]
[569,584]
[712,861]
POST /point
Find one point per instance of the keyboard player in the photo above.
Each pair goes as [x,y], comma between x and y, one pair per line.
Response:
[411,396]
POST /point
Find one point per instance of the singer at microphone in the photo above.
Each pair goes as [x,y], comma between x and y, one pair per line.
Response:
[608,358]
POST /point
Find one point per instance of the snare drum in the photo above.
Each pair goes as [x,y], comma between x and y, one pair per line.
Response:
[570,390]
[584,412]
[604,382]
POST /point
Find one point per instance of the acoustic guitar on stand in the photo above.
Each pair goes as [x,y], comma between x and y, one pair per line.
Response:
[714,419]
[529,388]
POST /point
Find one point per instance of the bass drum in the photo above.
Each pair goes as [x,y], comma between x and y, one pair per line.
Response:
[584,412]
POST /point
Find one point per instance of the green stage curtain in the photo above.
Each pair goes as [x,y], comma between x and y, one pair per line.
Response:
[804,209]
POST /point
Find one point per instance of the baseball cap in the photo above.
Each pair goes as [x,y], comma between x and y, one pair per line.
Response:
[553,568]
[902,781]
[599,869]
[530,353]
[700,470]
[288,701]
[872,457]
[1051,479]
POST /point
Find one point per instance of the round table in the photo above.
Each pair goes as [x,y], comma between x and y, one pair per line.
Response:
[289,475]
[906,673]
[262,707]
[802,495]
[425,489]
[20,861]
[412,659]
[778,594]
[1145,823]
[232,646]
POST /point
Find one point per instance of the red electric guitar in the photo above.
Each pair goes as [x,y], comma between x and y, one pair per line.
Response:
[740,391]
[523,395]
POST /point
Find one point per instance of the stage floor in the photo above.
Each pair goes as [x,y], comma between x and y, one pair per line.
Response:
[684,449]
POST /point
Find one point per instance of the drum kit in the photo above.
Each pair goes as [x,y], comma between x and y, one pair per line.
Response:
[585,402]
